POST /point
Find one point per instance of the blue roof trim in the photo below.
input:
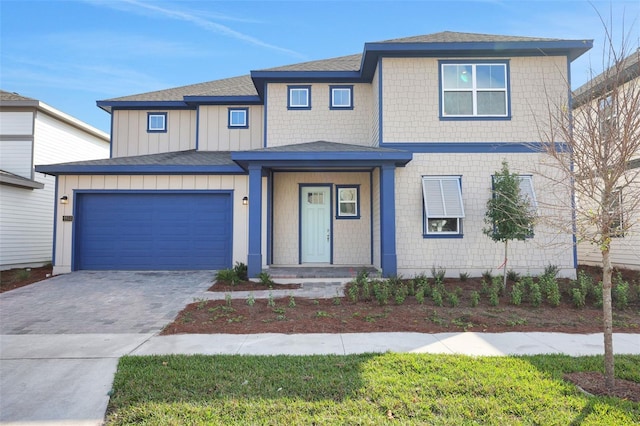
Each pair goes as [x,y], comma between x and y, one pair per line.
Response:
[56,169]
[109,105]
[223,100]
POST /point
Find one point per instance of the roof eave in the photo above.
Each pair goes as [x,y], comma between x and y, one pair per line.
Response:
[74,169]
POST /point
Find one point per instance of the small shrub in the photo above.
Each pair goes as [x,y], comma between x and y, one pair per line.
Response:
[228,276]
[227,299]
[487,276]
[420,295]
[475,298]
[496,285]
[553,291]
[464,276]
[494,295]
[517,293]
[484,286]
[578,297]
[270,301]
[597,295]
[381,292]
[438,274]
[400,294]
[292,301]
[411,288]
[551,271]
[512,275]
[526,283]
[452,299]
[535,294]
[337,300]
[352,291]
[241,271]
[366,290]
[620,293]
[436,296]
[23,274]
[265,279]
[251,300]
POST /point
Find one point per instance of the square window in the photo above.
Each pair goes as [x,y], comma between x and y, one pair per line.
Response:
[156,122]
[348,202]
[299,97]
[443,208]
[238,118]
[474,90]
[341,97]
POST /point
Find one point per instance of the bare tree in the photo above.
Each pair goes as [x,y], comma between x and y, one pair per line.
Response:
[595,146]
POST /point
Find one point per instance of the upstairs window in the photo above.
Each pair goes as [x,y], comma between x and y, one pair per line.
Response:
[341,97]
[615,213]
[442,196]
[607,118]
[238,118]
[474,90]
[299,97]
[156,122]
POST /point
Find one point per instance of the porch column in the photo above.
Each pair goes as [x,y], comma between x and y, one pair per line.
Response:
[254,258]
[388,257]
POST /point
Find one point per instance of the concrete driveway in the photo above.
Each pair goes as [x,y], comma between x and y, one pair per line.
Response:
[60,339]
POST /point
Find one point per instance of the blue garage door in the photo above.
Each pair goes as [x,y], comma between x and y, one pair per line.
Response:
[153,230]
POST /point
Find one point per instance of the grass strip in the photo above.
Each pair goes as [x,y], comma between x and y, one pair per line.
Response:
[365,389]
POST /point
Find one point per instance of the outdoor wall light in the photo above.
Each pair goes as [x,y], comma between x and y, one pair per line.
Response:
[64,199]
[245,201]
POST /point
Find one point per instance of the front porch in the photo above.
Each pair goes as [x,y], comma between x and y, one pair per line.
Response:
[333,161]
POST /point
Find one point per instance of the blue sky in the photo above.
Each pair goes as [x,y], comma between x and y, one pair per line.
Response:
[71,53]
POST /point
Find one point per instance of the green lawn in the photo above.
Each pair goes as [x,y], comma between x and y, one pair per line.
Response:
[369,389]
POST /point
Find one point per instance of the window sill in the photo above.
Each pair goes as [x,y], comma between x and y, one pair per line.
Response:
[347,217]
[472,118]
[445,236]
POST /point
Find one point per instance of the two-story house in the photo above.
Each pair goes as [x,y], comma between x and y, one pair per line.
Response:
[605,100]
[383,158]
[32,132]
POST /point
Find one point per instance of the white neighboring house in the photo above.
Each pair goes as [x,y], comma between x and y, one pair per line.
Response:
[32,132]
[625,248]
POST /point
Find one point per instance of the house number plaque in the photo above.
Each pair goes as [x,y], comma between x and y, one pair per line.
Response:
[67,218]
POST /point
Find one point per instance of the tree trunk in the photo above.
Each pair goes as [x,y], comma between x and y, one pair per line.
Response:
[607,312]
[504,272]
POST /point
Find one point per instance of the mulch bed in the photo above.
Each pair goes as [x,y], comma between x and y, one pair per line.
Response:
[593,383]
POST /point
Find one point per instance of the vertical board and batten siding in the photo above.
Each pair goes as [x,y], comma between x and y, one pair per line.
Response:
[289,127]
[351,237]
[476,252]
[411,102]
[214,133]
[238,184]
[26,216]
[130,136]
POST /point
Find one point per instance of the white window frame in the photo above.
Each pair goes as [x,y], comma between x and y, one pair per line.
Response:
[526,190]
[474,90]
[244,124]
[348,194]
[151,117]
[290,98]
[347,89]
[442,199]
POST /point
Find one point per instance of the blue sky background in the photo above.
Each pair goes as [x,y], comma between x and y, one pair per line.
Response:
[71,53]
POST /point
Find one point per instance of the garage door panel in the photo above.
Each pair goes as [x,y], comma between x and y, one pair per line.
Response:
[146,231]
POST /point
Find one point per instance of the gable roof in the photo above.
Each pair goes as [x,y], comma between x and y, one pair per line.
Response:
[13,99]
[248,89]
[601,84]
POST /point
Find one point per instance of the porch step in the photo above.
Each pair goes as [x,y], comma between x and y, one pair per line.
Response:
[319,272]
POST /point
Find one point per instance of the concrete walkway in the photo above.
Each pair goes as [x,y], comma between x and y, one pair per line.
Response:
[55,374]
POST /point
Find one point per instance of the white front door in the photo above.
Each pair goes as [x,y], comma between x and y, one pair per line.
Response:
[315,224]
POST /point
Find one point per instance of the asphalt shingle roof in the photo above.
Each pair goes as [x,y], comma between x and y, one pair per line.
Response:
[177,158]
[12,96]
[243,85]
